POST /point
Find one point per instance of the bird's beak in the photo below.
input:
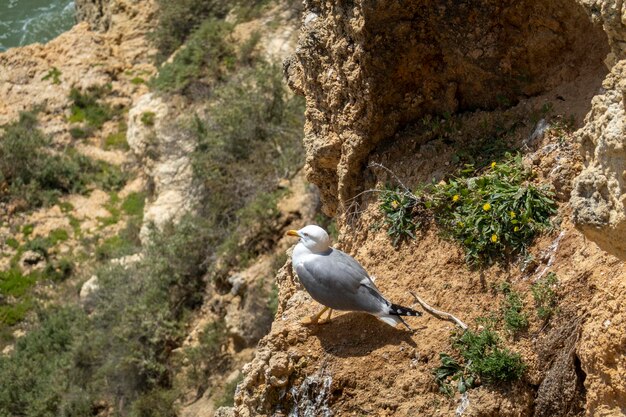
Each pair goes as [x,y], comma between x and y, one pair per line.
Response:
[293,233]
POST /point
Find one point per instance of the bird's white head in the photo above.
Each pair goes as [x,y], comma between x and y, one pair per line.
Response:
[313,237]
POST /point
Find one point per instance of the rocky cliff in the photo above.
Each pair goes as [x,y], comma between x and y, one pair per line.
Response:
[373,74]
[599,197]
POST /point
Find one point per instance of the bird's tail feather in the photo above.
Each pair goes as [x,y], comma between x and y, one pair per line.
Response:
[397,310]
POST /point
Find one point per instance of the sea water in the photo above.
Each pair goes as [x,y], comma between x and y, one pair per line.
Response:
[27,21]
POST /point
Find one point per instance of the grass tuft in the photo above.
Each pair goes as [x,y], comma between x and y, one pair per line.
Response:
[545,296]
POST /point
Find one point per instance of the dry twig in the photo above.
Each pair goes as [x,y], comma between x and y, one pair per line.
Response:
[441,315]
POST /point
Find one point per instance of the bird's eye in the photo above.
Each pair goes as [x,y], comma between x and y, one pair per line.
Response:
[305,234]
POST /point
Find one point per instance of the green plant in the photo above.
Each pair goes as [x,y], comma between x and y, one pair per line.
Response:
[137,80]
[155,403]
[59,270]
[545,296]
[488,360]
[398,208]
[177,20]
[114,247]
[147,118]
[12,243]
[449,372]
[205,357]
[27,229]
[12,314]
[133,204]
[13,283]
[117,140]
[79,133]
[53,74]
[58,235]
[87,106]
[494,214]
[514,318]
[31,169]
[206,59]
[483,359]
[33,382]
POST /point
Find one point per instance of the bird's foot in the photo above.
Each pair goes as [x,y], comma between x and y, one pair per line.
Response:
[310,320]
[315,319]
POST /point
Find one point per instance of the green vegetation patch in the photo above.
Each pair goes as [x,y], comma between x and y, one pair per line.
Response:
[545,296]
[399,210]
[493,213]
[13,283]
[114,247]
[205,60]
[512,309]
[88,107]
[33,172]
[481,359]
[178,19]
[496,213]
[134,203]
[54,75]
[33,382]
[117,140]
[147,118]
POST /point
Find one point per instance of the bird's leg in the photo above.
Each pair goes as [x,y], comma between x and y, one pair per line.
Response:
[314,318]
[327,319]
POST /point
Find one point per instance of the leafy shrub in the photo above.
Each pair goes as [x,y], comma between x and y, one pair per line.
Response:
[482,359]
[14,283]
[58,235]
[32,376]
[87,106]
[147,118]
[514,318]
[254,119]
[117,140]
[544,295]
[451,371]
[178,19]
[12,243]
[133,204]
[493,214]
[114,247]
[398,208]
[204,61]
[31,171]
[488,360]
[206,356]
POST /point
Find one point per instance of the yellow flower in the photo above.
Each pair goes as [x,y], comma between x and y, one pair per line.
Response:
[512,214]
[493,165]
[487,207]
[395,204]
[461,224]
[516,229]
[456,198]
[494,238]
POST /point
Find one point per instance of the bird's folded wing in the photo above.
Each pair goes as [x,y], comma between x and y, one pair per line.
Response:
[337,272]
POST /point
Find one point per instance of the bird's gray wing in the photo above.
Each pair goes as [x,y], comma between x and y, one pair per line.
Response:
[338,281]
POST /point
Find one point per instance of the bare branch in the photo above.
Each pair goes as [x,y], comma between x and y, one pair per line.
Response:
[441,315]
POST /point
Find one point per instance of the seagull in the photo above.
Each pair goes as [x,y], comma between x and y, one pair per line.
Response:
[338,281]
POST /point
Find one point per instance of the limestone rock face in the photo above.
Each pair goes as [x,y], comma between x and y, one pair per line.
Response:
[164,153]
[88,293]
[368,68]
[599,195]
